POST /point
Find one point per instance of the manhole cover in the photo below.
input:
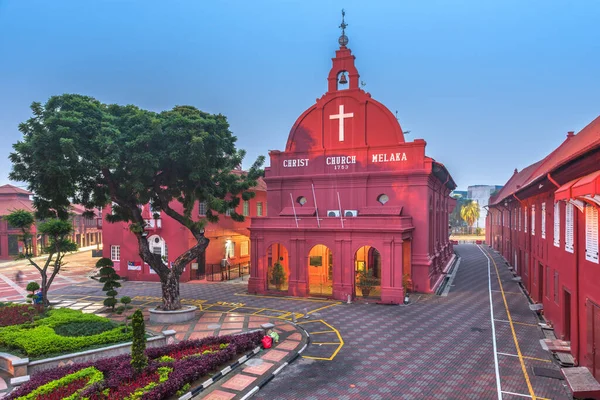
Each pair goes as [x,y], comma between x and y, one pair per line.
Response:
[547,372]
[474,329]
[214,326]
[254,362]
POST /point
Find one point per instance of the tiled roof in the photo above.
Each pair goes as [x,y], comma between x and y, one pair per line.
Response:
[574,146]
[8,206]
[10,189]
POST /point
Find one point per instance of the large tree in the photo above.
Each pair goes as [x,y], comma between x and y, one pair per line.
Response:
[57,231]
[75,148]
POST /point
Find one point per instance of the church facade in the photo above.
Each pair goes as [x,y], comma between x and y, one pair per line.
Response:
[353,208]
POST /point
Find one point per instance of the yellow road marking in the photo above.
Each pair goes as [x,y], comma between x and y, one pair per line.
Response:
[515,322]
[512,328]
[316,333]
[288,298]
[527,357]
[321,308]
[262,309]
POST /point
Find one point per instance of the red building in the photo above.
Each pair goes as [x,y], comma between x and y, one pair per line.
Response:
[229,240]
[545,223]
[12,198]
[87,232]
[349,194]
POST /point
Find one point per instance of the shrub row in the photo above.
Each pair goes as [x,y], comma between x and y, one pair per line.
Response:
[17,314]
[162,378]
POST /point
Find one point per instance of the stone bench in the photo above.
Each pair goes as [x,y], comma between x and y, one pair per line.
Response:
[582,383]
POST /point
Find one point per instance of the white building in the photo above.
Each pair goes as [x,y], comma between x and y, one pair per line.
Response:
[481,194]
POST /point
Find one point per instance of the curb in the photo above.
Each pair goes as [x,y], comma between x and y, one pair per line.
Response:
[281,367]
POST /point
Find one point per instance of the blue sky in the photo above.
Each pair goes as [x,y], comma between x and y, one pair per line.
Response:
[490,85]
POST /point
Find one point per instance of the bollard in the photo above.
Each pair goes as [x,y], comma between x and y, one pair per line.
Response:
[305,314]
[349,300]
[294,317]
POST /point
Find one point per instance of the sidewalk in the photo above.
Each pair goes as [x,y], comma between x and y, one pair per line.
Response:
[12,263]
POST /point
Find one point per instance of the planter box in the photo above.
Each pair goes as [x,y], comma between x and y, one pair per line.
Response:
[23,367]
[186,313]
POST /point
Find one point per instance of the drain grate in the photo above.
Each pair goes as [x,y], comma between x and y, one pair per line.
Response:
[547,373]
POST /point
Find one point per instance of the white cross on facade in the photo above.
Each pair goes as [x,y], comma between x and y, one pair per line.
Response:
[341,117]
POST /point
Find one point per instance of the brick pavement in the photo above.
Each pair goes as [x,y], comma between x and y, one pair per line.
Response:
[435,348]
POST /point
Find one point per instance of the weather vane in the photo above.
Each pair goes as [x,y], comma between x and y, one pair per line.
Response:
[343,40]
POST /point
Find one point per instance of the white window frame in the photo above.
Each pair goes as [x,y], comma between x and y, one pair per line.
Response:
[591,233]
[259,209]
[533,220]
[543,220]
[246,208]
[520,212]
[202,208]
[115,252]
[569,226]
[557,224]
[525,220]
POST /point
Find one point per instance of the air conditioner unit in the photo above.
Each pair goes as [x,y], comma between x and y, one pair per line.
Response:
[333,213]
[350,213]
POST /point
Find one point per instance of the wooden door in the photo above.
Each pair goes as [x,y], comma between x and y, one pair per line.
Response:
[567,315]
[593,338]
[540,282]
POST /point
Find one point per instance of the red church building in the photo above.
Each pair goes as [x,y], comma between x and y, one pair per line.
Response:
[347,195]
[545,223]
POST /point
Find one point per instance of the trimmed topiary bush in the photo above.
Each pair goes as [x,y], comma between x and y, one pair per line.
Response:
[139,360]
[110,278]
[32,287]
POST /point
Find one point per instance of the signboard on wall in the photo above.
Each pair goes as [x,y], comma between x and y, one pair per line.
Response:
[134,266]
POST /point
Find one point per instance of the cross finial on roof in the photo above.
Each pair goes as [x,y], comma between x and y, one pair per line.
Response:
[343,40]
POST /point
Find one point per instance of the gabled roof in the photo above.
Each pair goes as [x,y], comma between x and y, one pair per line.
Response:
[8,206]
[516,181]
[10,189]
[574,146]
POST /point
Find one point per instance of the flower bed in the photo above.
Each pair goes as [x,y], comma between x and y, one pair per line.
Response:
[171,370]
[17,314]
[39,338]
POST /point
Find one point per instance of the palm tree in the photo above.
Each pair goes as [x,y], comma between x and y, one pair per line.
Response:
[470,213]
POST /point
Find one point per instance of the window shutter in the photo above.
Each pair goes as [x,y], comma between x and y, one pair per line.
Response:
[543,221]
[569,228]
[519,219]
[525,219]
[557,224]
[533,220]
[591,233]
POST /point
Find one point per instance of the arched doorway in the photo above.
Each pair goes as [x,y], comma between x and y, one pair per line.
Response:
[367,266]
[158,245]
[278,267]
[320,271]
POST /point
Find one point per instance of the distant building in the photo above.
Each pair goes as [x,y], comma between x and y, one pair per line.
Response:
[481,194]
[13,198]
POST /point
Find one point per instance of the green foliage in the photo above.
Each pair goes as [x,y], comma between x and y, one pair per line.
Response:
[185,388]
[470,213]
[42,339]
[132,156]
[126,300]
[278,277]
[20,219]
[139,360]
[89,328]
[104,262]
[366,279]
[91,374]
[32,287]
[110,279]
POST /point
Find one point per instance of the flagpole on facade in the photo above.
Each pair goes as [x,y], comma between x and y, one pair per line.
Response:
[294,208]
[316,208]
[341,211]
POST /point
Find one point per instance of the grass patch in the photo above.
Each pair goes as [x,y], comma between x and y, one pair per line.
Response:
[74,329]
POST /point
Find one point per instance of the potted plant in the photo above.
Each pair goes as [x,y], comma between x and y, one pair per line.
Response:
[366,281]
[407,286]
[278,275]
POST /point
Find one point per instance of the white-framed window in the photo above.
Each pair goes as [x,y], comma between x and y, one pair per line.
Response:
[525,219]
[503,218]
[520,211]
[259,209]
[591,233]
[244,248]
[115,253]
[557,224]
[533,220]
[246,210]
[202,208]
[543,221]
[569,228]
[229,211]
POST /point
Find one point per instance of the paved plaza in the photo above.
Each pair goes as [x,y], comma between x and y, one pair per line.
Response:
[435,348]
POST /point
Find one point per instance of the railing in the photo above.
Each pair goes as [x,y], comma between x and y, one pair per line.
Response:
[216,273]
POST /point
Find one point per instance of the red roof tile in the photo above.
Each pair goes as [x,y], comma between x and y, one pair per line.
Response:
[8,206]
[516,181]
[10,189]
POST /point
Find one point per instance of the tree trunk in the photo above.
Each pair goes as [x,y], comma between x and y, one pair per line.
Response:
[44,289]
[170,292]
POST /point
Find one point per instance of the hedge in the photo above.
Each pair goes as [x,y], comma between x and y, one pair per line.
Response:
[42,340]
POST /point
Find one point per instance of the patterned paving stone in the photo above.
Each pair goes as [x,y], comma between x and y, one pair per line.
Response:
[219,395]
[274,355]
[258,369]
[238,382]
[287,345]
